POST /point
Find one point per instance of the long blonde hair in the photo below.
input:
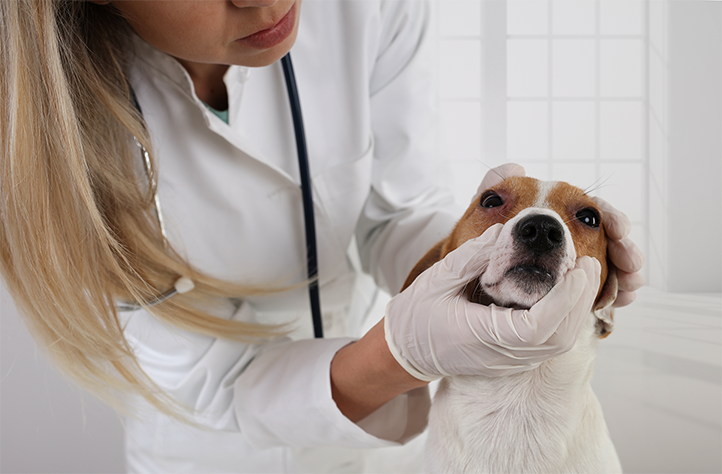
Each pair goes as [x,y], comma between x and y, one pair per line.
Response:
[77,229]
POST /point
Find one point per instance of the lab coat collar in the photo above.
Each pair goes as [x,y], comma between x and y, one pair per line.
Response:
[176,75]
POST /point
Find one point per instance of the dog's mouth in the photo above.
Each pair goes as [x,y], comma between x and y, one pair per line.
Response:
[476,294]
[531,276]
[530,279]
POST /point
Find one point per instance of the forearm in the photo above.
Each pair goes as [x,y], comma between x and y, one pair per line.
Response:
[365,376]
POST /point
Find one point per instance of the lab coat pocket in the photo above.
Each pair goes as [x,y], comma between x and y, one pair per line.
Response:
[341,192]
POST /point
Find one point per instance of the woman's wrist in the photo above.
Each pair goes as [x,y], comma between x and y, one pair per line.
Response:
[365,376]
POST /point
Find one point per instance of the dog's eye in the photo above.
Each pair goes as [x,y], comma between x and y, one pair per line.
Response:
[589,217]
[491,200]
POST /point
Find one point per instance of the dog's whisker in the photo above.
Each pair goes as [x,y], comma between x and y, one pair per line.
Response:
[512,215]
[493,170]
[596,185]
[601,186]
[592,186]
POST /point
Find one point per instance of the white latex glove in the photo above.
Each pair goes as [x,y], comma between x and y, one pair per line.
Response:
[623,253]
[433,330]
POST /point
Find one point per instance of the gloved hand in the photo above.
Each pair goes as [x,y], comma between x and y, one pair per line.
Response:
[623,253]
[433,330]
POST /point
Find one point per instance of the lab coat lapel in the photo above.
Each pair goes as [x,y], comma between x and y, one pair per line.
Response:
[236,80]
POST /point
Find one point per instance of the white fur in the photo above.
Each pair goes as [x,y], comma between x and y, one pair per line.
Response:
[544,188]
[545,420]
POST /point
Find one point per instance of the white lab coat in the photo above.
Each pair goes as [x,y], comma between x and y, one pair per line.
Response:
[230,195]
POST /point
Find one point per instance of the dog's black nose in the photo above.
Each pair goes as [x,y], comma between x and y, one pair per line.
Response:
[540,233]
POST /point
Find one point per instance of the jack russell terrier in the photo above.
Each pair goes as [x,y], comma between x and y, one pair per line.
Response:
[546,419]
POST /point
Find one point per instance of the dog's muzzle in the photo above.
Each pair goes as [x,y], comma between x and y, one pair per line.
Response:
[532,254]
[539,243]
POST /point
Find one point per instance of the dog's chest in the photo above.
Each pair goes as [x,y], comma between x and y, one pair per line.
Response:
[536,421]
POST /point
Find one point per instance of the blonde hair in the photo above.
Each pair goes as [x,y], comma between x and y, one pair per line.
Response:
[77,229]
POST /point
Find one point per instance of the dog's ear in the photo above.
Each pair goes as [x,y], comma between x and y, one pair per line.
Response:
[431,257]
[603,309]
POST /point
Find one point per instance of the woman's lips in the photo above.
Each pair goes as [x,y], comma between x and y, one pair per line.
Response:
[274,35]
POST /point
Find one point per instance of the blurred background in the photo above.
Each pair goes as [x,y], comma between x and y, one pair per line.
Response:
[620,96]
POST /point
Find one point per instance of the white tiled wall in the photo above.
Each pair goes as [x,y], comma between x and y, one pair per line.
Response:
[657,123]
[573,85]
[684,119]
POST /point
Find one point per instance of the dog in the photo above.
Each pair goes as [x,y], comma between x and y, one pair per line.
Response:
[546,419]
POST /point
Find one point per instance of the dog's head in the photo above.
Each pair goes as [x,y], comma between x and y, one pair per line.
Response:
[547,225]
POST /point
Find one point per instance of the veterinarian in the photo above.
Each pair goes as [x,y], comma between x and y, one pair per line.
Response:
[226,377]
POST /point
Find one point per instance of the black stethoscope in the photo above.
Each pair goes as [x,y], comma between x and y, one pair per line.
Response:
[184,284]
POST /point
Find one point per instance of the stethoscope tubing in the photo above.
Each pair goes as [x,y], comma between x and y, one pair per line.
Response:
[306,194]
